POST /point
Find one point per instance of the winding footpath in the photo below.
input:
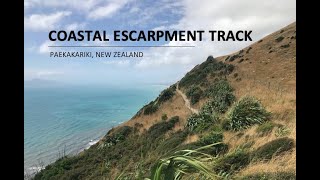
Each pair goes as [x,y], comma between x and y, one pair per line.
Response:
[186,100]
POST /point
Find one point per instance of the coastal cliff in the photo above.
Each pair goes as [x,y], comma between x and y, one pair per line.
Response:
[241,107]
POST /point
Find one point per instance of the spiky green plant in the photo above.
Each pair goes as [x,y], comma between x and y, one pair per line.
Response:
[202,121]
[282,131]
[183,163]
[246,112]
[222,96]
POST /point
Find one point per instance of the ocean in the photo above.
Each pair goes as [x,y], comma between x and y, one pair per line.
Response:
[66,120]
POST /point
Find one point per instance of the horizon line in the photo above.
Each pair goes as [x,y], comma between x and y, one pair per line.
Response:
[122,46]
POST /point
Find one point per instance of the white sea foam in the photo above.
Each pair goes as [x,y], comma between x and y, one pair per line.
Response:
[35,168]
[91,143]
[31,171]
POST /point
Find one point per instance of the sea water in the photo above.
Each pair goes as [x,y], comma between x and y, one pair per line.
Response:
[67,119]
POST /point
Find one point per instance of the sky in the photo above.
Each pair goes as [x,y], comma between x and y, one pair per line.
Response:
[159,65]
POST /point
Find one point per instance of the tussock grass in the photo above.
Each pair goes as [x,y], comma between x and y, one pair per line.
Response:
[183,163]
[273,148]
[232,162]
[265,128]
[245,113]
[222,96]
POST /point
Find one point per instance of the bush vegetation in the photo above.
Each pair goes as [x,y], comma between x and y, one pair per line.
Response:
[182,163]
[150,108]
[159,129]
[279,39]
[164,117]
[265,128]
[98,160]
[246,112]
[160,152]
[166,94]
[118,136]
[198,75]
[232,162]
[273,148]
[285,46]
[221,95]
[171,144]
[153,106]
[194,93]
[200,122]
[211,138]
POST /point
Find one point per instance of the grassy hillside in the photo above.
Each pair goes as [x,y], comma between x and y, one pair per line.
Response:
[246,104]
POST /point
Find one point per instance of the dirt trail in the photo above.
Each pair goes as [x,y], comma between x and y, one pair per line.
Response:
[186,100]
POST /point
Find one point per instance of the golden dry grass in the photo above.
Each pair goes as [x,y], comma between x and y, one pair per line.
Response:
[268,76]
[174,107]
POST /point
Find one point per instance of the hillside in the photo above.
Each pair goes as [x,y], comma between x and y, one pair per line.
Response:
[245,100]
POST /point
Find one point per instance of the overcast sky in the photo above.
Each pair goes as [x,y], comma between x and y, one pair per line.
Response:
[159,65]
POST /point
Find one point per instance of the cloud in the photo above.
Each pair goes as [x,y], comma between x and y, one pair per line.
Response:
[44,47]
[93,9]
[157,12]
[46,73]
[74,26]
[43,22]
[71,4]
[261,18]
[108,10]
[120,63]
[134,9]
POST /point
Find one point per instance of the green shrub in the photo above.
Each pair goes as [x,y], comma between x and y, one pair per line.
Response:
[285,46]
[279,39]
[159,129]
[213,137]
[198,75]
[166,95]
[200,122]
[194,93]
[246,112]
[152,107]
[229,68]
[273,148]
[207,120]
[118,136]
[164,117]
[222,96]
[192,122]
[232,162]
[226,125]
[270,176]
[248,50]
[265,128]
[236,56]
[172,142]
